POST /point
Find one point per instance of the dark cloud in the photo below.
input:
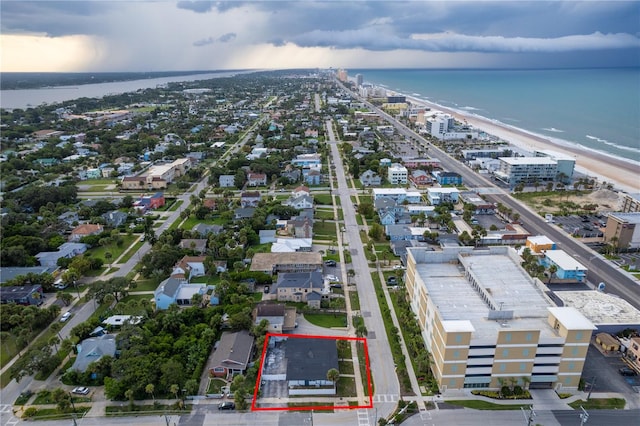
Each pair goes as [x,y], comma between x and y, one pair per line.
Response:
[225,38]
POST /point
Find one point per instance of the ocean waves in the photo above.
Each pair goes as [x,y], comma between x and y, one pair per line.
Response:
[612,144]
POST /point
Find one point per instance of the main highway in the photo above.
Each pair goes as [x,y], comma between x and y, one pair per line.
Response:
[617,282]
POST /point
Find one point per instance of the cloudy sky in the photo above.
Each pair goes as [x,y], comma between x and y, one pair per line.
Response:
[140,35]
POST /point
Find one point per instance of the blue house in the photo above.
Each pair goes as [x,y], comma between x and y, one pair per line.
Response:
[567,268]
[311,176]
[179,291]
[448,178]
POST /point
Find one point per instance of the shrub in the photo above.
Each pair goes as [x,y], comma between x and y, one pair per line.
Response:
[30,412]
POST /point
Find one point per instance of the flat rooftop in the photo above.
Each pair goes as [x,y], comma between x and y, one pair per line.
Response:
[600,308]
[499,279]
[627,217]
[540,239]
[520,161]
[564,260]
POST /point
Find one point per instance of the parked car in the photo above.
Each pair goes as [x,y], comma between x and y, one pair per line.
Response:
[80,390]
[65,317]
[266,289]
[226,406]
[392,280]
[331,278]
[329,263]
[626,371]
[398,267]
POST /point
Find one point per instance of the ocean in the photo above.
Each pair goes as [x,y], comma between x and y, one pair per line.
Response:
[597,109]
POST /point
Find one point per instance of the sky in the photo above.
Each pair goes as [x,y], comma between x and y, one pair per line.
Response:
[163,35]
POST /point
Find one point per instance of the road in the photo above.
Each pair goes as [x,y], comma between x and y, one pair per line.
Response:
[381,359]
[617,282]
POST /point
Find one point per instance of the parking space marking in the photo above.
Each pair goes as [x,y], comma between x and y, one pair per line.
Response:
[5,408]
[363,418]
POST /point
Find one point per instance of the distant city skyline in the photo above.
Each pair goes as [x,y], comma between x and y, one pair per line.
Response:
[67,36]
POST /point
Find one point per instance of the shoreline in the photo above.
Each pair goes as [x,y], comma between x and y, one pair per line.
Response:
[623,173]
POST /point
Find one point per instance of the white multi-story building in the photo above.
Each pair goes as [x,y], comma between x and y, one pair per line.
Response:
[514,170]
[438,123]
[397,174]
[565,164]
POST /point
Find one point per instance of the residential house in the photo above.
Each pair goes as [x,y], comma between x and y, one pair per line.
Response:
[243,213]
[177,290]
[9,273]
[447,178]
[189,267]
[198,245]
[204,230]
[232,354]
[69,218]
[442,195]
[300,227]
[420,178]
[227,181]
[292,174]
[311,176]
[480,206]
[307,160]
[540,243]
[22,295]
[210,203]
[154,201]
[301,202]
[92,350]
[267,236]
[398,194]
[298,286]
[280,317]
[256,179]
[370,178]
[66,250]
[85,230]
[300,191]
[414,163]
[250,199]
[115,218]
[273,263]
[308,361]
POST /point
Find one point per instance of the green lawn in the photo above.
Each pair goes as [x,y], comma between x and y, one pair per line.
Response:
[355,300]
[145,285]
[215,385]
[346,387]
[133,250]
[55,414]
[175,205]
[327,320]
[113,249]
[8,350]
[135,297]
[193,221]
[345,367]
[323,199]
[324,229]
[324,214]
[599,404]
[483,405]
[149,410]
[363,369]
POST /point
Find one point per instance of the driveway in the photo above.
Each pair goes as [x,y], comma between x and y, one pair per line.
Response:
[306,328]
[603,370]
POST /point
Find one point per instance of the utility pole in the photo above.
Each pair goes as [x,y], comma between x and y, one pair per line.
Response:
[584,416]
[591,386]
[528,416]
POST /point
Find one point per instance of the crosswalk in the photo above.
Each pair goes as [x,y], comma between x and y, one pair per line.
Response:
[6,412]
[363,417]
[385,398]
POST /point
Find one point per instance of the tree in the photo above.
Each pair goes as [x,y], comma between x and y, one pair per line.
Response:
[552,270]
[150,388]
[376,232]
[107,256]
[66,298]
[117,287]
[129,395]
[333,375]
[174,389]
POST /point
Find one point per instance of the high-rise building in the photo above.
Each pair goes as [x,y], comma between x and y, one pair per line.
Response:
[343,75]
[486,322]
[359,80]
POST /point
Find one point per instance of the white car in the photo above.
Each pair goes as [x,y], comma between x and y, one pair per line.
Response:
[80,391]
[398,267]
[331,278]
[65,317]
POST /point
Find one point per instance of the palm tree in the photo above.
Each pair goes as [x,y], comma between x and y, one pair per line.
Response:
[174,389]
[552,270]
[150,388]
[333,375]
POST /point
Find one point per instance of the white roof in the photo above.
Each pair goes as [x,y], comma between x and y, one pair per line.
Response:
[389,191]
[563,260]
[442,190]
[413,194]
[516,161]
[571,318]
[122,319]
[458,326]
[540,239]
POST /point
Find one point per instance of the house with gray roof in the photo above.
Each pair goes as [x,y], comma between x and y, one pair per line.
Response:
[115,218]
[8,273]
[280,317]
[300,287]
[203,229]
[308,361]
[232,354]
[370,178]
[93,349]
[199,245]
[300,202]
[243,213]
[66,250]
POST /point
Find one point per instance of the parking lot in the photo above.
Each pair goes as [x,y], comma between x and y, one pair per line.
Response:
[603,371]
[582,226]
[486,220]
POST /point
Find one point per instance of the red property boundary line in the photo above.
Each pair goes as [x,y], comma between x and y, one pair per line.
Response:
[314,407]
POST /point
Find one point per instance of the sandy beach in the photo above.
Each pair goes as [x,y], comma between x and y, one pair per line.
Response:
[623,174]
